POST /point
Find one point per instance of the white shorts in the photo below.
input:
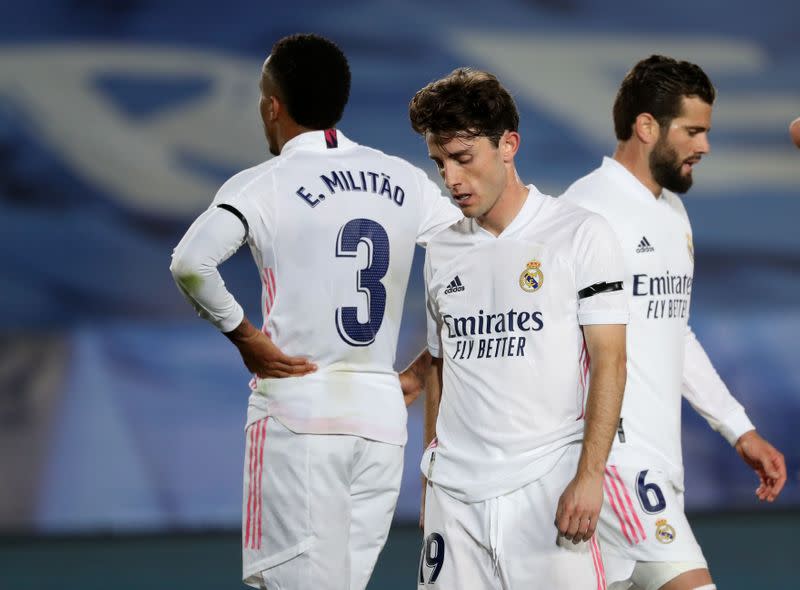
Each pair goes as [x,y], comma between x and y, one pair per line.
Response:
[316,508]
[506,542]
[643,521]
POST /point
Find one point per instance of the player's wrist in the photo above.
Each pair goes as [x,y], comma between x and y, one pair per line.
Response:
[243,333]
[746,438]
[594,479]
[591,473]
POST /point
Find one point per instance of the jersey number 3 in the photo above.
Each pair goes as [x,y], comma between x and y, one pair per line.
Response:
[368,279]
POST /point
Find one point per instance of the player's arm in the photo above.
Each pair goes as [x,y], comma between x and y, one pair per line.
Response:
[424,375]
[209,242]
[580,504]
[429,366]
[413,377]
[433,398]
[262,357]
[706,392]
[603,314]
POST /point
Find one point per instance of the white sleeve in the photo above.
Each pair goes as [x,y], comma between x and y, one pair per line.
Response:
[703,388]
[599,272]
[210,241]
[432,314]
[438,211]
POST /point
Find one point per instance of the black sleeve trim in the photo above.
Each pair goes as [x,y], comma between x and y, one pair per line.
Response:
[599,288]
[237,213]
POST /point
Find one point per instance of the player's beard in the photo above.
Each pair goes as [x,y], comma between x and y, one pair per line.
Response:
[665,166]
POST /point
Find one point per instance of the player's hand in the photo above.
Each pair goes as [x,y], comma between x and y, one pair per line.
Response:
[263,358]
[412,379]
[579,507]
[766,461]
[411,385]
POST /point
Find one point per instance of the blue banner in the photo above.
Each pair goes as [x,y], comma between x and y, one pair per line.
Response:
[118,122]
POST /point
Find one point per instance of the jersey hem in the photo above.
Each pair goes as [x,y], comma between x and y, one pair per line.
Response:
[603,317]
[735,425]
[250,575]
[232,322]
[536,470]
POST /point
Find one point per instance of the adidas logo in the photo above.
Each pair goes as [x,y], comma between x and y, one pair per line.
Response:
[644,246]
[454,287]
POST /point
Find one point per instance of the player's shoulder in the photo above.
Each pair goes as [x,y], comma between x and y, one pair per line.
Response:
[453,237]
[240,182]
[569,212]
[596,191]
[448,246]
[577,221]
[675,203]
[400,164]
[587,187]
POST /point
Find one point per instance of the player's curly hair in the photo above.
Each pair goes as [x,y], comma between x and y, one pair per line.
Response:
[313,79]
[465,103]
[657,85]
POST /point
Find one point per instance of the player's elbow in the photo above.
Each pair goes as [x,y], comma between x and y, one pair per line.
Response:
[186,271]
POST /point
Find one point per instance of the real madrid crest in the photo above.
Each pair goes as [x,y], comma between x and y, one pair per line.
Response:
[532,277]
[664,532]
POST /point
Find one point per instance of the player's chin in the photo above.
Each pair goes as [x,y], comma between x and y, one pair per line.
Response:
[469,211]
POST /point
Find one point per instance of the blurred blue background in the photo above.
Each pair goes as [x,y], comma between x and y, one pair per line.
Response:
[121,411]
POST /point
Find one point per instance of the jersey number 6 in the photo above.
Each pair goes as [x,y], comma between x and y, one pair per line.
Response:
[650,495]
[368,279]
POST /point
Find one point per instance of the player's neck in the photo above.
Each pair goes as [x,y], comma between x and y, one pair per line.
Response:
[636,161]
[506,208]
[288,130]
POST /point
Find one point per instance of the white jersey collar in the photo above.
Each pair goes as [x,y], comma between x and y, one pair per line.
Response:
[613,168]
[533,202]
[317,141]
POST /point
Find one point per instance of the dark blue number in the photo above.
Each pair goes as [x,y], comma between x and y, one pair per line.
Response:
[650,495]
[368,279]
[432,556]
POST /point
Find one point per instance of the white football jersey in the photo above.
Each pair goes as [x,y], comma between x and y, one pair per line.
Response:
[656,241]
[332,228]
[505,313]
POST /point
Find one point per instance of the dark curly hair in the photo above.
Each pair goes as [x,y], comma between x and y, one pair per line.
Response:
[465,103]
[657,85]
[313,79]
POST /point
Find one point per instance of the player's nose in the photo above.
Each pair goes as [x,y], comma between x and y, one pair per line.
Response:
[451,175]
[703,146]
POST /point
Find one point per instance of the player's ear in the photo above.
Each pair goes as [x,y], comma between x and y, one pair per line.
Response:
[275,106]
[646,128]
[509,145]
[269,107]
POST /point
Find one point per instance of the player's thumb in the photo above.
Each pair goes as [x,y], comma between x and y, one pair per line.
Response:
[768,464]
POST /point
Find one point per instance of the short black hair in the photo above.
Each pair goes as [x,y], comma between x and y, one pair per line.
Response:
[465,103]
[313,79]
[657,85]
